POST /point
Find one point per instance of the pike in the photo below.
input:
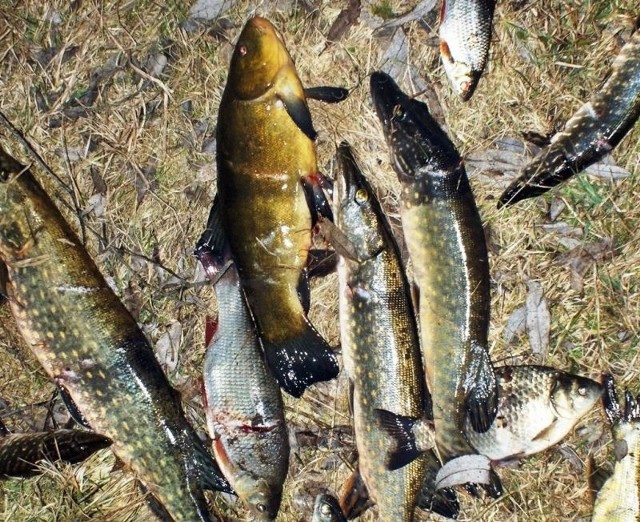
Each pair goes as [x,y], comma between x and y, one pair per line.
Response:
[619,499]
[445,239]
[89,343]
[265,157]
[590,134]
[465,38]
[20,452]
[380,347]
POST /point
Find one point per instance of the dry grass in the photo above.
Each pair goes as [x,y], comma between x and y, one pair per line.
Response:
[546,58]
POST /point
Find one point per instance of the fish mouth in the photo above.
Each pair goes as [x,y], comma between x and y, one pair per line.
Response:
[386,96]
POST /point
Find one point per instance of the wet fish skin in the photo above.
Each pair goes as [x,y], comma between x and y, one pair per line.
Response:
[327,509]
[265,147]
[87,341]
[537,408]
[590,134]
[244,407]
[379,341]
[618,499]
[465,38]
[446,243]
[20,452]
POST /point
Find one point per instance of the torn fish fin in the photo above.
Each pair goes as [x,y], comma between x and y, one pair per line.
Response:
[400,428]
[482,392]
[316,198]
[299,362]
[327,94]
[210,328]
[610,399]
[207,472]
[321,262]
[212,249]
[297,109]
[354,497]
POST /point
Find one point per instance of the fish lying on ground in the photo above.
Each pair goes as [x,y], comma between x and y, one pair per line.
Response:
[465,37]
[537,408]
[380,348]
[447,247]
[21,452]
[88,342]
[265,148]
[618,500]
[244,408]
[591,133]
[327,509]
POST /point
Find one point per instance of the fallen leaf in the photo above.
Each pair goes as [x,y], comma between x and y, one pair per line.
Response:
[538,320]
[343,22]
[516,324]
[417,13]
[585,255]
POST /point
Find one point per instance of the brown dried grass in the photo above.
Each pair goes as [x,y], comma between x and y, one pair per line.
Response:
[546,58]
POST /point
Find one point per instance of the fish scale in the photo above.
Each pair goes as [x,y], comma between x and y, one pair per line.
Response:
[591,133]
[89,343]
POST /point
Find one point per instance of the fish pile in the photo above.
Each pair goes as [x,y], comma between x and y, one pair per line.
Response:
[431,412]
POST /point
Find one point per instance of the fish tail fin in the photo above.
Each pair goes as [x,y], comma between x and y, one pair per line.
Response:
[299,362]
[401,430]
[482,396]
[354,497]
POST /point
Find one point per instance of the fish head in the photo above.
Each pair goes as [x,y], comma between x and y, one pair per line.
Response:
[357,209]
[262,498]
[418,147]
[573,396]
[258,58]
[462,76]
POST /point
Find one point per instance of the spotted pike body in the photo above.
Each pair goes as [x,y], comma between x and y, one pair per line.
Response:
[245,412]
[379,340]
[445,239]
[20,452]
[537,408]
[89,343]
[265,147]
[590,134]
[619,499]
[465,38]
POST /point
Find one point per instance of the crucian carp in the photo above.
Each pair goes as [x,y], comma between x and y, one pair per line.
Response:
[265,152]
[89,343]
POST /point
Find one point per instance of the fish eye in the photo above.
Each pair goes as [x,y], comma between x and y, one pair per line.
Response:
[582,391]
[398,113]
[362,196]
[261,507]
[242,50]
[325,509]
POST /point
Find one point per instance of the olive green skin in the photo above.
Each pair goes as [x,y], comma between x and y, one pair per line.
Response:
[445,239]
[20,452]
[262,154]
[87,341]
[379,339]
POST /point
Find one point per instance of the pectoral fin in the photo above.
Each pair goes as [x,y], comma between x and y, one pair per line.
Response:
[327,94]
[297,109]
